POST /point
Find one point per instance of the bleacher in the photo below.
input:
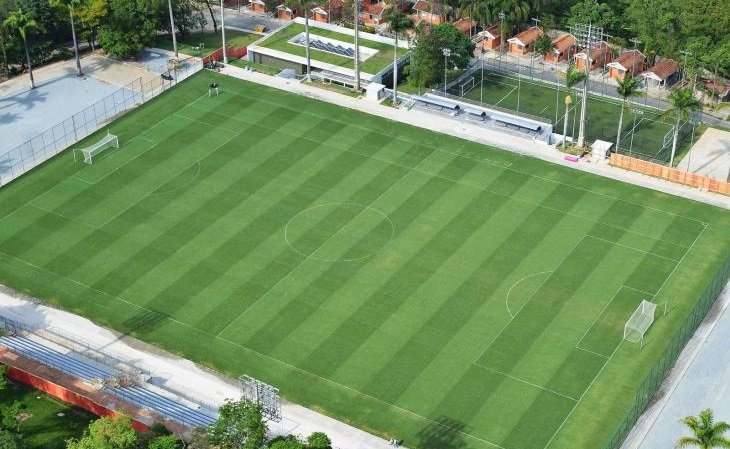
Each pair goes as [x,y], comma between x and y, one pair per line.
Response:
[436,102]
[144,395]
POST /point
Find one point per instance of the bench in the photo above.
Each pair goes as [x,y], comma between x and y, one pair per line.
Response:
[429,101]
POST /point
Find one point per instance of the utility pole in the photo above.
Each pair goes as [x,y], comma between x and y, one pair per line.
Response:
[172,29]
[536,20]
[684,69]
[223,35]
[356,5]
[481,82]
[447,53]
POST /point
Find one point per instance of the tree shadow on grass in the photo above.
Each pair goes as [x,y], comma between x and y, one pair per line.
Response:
[443,433]
[144,321]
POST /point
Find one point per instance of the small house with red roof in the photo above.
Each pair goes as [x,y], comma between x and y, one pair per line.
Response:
[489,38]
[631,62]
[599,55]
[372,13]
[329,12]
[521,44]
[423,11]
[285,12]
[465,26]
[663,74]
[257,6]
[563,48]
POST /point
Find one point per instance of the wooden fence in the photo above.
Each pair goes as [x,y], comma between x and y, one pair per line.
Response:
[671,174]
[232,53]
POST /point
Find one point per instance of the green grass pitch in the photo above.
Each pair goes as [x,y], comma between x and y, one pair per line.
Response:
[417,285]
[547,101]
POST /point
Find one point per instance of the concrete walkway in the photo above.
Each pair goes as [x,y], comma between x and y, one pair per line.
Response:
[700,379]
[179,374]
[474,132]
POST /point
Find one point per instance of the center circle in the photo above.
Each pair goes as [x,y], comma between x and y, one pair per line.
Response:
[339,232]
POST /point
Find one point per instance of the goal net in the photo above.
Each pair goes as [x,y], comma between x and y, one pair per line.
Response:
[639,323]
[467,86]
[109,140]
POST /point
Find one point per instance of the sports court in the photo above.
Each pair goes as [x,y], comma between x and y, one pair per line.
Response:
[645,133]
[416,285]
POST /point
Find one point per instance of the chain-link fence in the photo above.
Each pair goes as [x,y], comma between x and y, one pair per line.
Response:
[656,376]
[60,136]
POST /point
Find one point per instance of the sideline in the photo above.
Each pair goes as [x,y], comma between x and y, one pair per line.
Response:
[180,374]
[516,144]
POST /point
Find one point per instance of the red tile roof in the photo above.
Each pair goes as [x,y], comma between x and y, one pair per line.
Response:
[528,36]
[564,42]
[665,69]
[600,48]
[464,25]
[422,5]
[492,31]
[629,59]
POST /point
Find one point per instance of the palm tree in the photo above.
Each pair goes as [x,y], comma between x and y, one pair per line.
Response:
[573,76]
[305,5]
[70,5]
[707,434]
[398,22]
[23,22]
[516,11]
[627,88]
[683,102]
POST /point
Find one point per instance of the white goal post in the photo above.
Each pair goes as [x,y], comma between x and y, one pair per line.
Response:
[109,140]
[639,323]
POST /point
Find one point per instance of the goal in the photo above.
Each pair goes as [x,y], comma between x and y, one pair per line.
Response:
[639,323]
[109,140]
[466,86]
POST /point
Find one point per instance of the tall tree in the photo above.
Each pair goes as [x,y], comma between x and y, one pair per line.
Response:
[597,13]
[129,26]
[240,425]
[427,60]
[516,12]
[627,88]
[107,433]
[91,15]
[683,102]
[542,46]
[70,6]
[573,76]
[23,22]
[399,23]
[707,434]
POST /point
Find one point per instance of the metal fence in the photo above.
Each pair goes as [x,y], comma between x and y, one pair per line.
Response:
[656,376]
[60,136]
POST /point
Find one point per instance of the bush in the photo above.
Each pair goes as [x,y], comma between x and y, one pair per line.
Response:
[287,442]
[319,440]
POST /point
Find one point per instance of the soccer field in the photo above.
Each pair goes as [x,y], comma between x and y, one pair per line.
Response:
[414,284]
[643,133]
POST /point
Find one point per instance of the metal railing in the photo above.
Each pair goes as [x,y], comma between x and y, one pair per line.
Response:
[53,140]
[666,361]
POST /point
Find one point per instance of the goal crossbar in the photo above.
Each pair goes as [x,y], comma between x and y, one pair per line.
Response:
[639,323]
[110,140]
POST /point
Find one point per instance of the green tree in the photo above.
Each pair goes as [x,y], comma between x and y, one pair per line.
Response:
[654,22]
[597,13]
[9,416]
[129,26]
[3,379]
[515,11]
[166,442]
[543,45]
[319,440]
[573,76]
[427,65]
[707,434]
[91,14]
[9,440]
[240,425]
[399,23]
[683,102]
[287,442]
[70,6]
[627,88]
[23,22]
[107,433]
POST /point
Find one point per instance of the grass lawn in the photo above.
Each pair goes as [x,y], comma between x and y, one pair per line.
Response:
[211,40]
[544,100]
[267,69]
[376,63]
[44,429]
[417,285]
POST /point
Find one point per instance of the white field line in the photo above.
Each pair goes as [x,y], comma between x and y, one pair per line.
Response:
[525,382]
[506,299]
[62,216]
[321,245]
[595,320]
[457,181]
[592,352]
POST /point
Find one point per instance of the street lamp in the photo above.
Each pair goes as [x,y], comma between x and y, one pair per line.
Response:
[447,53]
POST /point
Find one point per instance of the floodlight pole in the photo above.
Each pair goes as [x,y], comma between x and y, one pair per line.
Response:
[684,69]
[356,5]
[501,37]
[633,60]
[172,29]
[584,103]
[481,82]
[447,53]
[223,35]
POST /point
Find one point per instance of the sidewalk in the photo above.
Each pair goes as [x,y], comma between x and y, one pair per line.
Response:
[510,142]
[179,374]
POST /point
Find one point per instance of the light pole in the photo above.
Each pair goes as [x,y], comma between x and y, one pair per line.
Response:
[223,35]
[356,5]
[636,42]
[481,82]
[501,37]
[447,53]
[172,28]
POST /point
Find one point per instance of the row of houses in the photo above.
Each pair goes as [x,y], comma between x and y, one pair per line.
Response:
[600,55]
